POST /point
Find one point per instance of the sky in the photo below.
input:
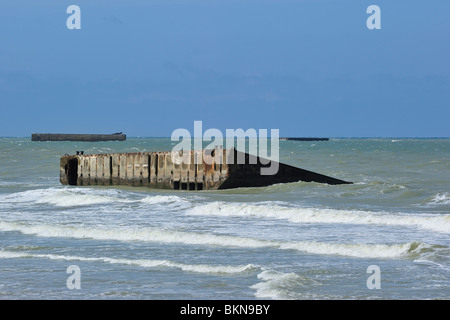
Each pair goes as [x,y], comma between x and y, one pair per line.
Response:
[310,68]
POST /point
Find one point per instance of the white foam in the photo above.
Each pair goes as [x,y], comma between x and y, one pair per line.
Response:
[195,238]
[62,197]
[162,199]
[280,286]
[132,234]
[440,199]
[146,263]
[71,197]
[440,223]
[353,250]
[24,196]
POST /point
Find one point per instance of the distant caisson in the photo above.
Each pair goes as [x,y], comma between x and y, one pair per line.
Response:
[119,136]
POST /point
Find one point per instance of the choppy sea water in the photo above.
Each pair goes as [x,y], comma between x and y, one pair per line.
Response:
[287,241]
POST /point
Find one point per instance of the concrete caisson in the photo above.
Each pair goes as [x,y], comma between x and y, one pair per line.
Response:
[198,170]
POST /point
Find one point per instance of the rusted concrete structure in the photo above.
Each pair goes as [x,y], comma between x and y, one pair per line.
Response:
[77,137]
[207,170]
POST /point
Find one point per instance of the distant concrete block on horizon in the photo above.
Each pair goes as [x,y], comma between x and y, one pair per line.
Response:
[119,136]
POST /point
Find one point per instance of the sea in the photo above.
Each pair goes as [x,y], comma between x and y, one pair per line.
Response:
[386,236]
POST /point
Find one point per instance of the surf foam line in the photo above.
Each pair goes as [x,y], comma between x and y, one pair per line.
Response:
[440,199]
[74,197]
[439,223]
[281,286]
[145,263]
[204,239]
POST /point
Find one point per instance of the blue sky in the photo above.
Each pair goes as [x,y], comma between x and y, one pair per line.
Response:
[305,67]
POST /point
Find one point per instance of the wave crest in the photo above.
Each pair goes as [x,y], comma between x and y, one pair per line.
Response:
[204,239]
[440,223]
[145,263]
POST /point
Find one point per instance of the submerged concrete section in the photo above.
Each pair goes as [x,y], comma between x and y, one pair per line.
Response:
[207,170]
[78,137]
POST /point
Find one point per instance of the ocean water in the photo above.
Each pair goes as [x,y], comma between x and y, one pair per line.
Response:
[287,241]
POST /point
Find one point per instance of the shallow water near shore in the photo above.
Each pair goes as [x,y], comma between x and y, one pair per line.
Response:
[287,241]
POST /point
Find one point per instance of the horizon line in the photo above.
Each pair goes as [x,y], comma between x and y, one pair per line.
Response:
[330,137]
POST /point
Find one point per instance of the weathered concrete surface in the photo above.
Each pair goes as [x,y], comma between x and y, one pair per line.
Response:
[77,137]
[165,170]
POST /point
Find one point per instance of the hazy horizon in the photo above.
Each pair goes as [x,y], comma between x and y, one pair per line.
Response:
[307,68]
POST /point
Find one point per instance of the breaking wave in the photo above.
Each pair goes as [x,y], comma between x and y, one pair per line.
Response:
[281,286]
[145,263]
[163,199]
[440,223]
[70,197]
[62,197]
[205,239]
[440,199]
